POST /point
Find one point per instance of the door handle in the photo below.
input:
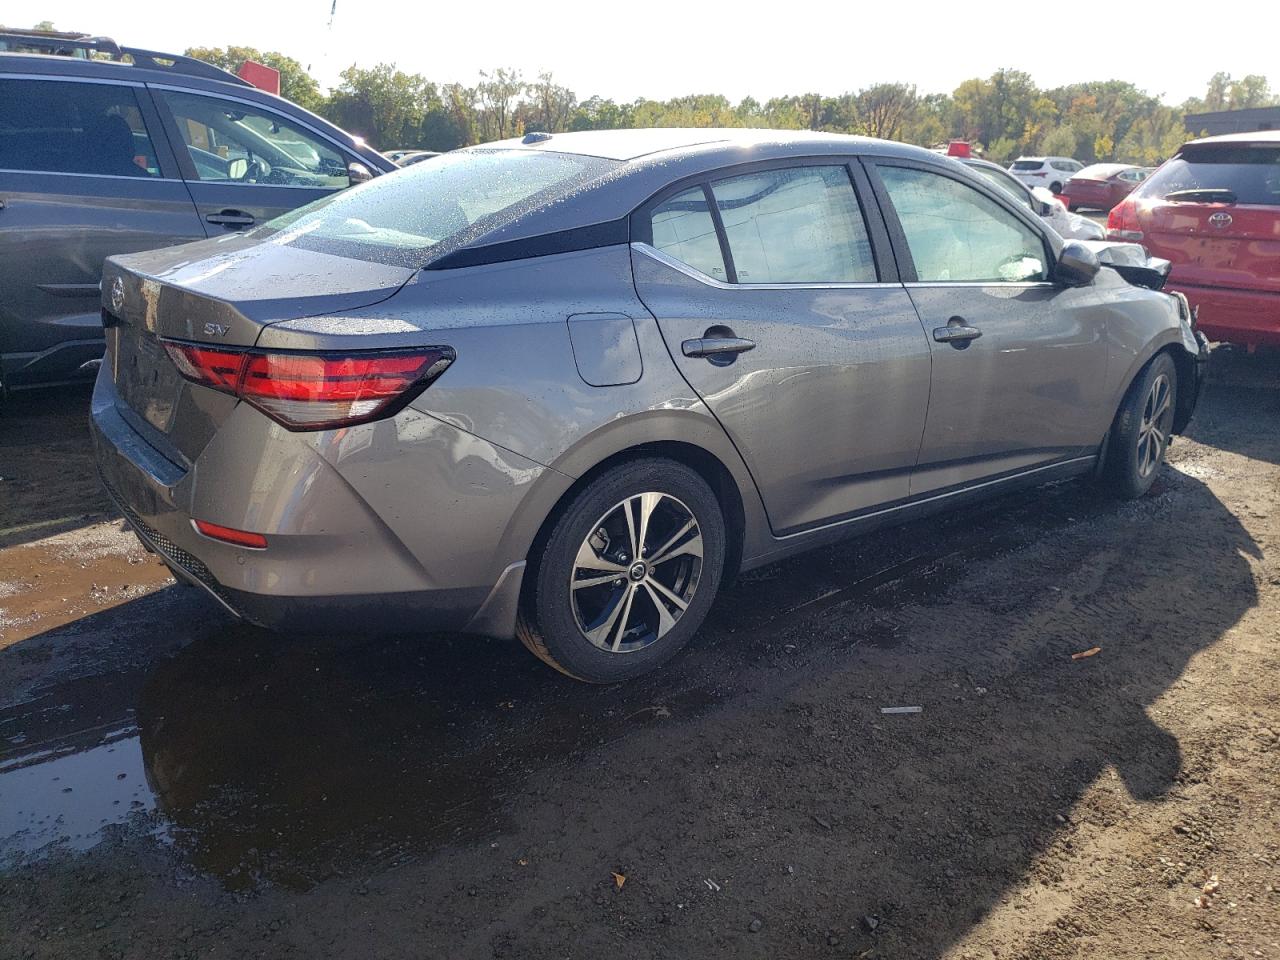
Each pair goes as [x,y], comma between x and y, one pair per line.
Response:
[956,332]
[714,347]
[231,218]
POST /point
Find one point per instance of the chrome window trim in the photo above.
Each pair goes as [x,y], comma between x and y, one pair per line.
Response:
[54,78]
[96,176]
[1019,284]
[667,260]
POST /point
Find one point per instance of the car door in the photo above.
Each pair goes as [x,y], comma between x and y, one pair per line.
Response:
[85,173]
[779,302]
[1019,362]
[246,163]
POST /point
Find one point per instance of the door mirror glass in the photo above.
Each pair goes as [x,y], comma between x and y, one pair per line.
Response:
[358,173]
[237,169]
[1077,265]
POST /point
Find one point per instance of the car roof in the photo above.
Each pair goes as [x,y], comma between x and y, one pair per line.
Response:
[1255,136]
[117,70]
[726,142]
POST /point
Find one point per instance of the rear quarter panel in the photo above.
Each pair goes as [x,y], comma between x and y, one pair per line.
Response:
[515,382]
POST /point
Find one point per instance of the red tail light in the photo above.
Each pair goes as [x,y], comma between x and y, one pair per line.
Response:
[1123,223]
[241,538]
[314,391]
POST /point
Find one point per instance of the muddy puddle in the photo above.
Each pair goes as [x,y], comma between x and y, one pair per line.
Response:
[271,760]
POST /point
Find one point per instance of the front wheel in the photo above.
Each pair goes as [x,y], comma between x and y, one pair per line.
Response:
[1142,429]
[628,572]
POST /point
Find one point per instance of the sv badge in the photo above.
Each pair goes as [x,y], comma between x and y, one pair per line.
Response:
[216,329]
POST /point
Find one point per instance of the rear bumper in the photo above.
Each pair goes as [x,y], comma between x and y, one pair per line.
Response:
[331,565]
[1247,317]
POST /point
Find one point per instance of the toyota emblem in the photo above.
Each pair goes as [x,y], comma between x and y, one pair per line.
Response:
[117,294]
[1220,220]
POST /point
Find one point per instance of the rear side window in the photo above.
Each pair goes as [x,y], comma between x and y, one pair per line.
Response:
[795,225]
[1251,174]
[684,228]
[955,234]
[429,209]
[49,126]
[232,141]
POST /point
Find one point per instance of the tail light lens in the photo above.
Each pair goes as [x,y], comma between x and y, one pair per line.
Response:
[314,391]
[1123,223]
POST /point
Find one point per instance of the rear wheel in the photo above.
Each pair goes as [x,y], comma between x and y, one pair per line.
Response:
[628,573]
[1055,187]
[1142,429]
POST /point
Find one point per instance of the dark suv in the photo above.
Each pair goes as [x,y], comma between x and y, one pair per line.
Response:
[101,157]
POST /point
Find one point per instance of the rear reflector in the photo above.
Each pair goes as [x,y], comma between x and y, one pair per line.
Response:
[241,538]
[314,391]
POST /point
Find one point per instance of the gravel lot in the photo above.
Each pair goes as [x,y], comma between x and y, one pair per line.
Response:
[173,784]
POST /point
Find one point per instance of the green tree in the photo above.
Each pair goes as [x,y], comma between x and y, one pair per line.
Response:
[1059,142]
[384,105]
[295,83]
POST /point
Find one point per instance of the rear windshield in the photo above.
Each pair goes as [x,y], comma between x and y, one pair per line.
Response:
[1027,164]
[412,215]
[1251,173]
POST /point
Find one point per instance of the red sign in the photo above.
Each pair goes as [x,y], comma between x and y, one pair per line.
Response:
[261,76]
[959,148]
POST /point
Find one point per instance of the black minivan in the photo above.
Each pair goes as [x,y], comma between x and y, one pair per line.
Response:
[101,157]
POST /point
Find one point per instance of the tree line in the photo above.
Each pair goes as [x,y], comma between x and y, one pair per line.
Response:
[1004,115]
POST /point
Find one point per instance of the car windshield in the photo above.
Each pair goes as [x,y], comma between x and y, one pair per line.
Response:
[406,218]
[1027,164]
[1251,173]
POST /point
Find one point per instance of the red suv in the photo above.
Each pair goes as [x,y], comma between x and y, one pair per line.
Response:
[1213,211]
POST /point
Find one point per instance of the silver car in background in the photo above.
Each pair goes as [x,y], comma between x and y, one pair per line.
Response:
[562,388]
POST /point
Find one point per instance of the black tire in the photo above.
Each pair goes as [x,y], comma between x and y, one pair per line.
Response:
[1055,188]
[1132,463]
[552,615]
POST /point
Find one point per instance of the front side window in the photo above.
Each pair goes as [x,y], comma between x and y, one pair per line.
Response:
[684,228]
[1009,184]
[795,225]
[956,234]
[231,141]
[51,126]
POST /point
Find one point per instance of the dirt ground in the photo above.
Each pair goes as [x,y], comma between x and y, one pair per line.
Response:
[173,784]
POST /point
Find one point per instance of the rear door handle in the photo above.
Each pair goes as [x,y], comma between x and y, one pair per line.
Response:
[231,218]
[716,347]
[956,332]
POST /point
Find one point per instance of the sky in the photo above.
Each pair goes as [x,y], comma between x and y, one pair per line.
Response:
[663,48]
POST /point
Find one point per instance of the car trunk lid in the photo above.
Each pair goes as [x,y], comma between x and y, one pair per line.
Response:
[1215,244]
[220,293]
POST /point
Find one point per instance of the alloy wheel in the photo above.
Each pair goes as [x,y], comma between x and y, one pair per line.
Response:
[636,572]
[1153,433]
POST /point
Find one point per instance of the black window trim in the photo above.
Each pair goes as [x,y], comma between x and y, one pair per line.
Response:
[152,122]
[882,253]
[898,237]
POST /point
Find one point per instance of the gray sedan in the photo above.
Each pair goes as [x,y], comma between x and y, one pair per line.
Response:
[562,388]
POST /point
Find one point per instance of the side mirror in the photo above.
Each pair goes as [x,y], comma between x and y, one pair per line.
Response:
[1077,265]
[237,169]
[358,173]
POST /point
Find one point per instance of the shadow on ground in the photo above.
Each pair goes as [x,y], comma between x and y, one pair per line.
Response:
[482,801]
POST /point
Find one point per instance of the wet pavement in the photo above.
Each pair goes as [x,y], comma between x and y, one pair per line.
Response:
[136,717]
